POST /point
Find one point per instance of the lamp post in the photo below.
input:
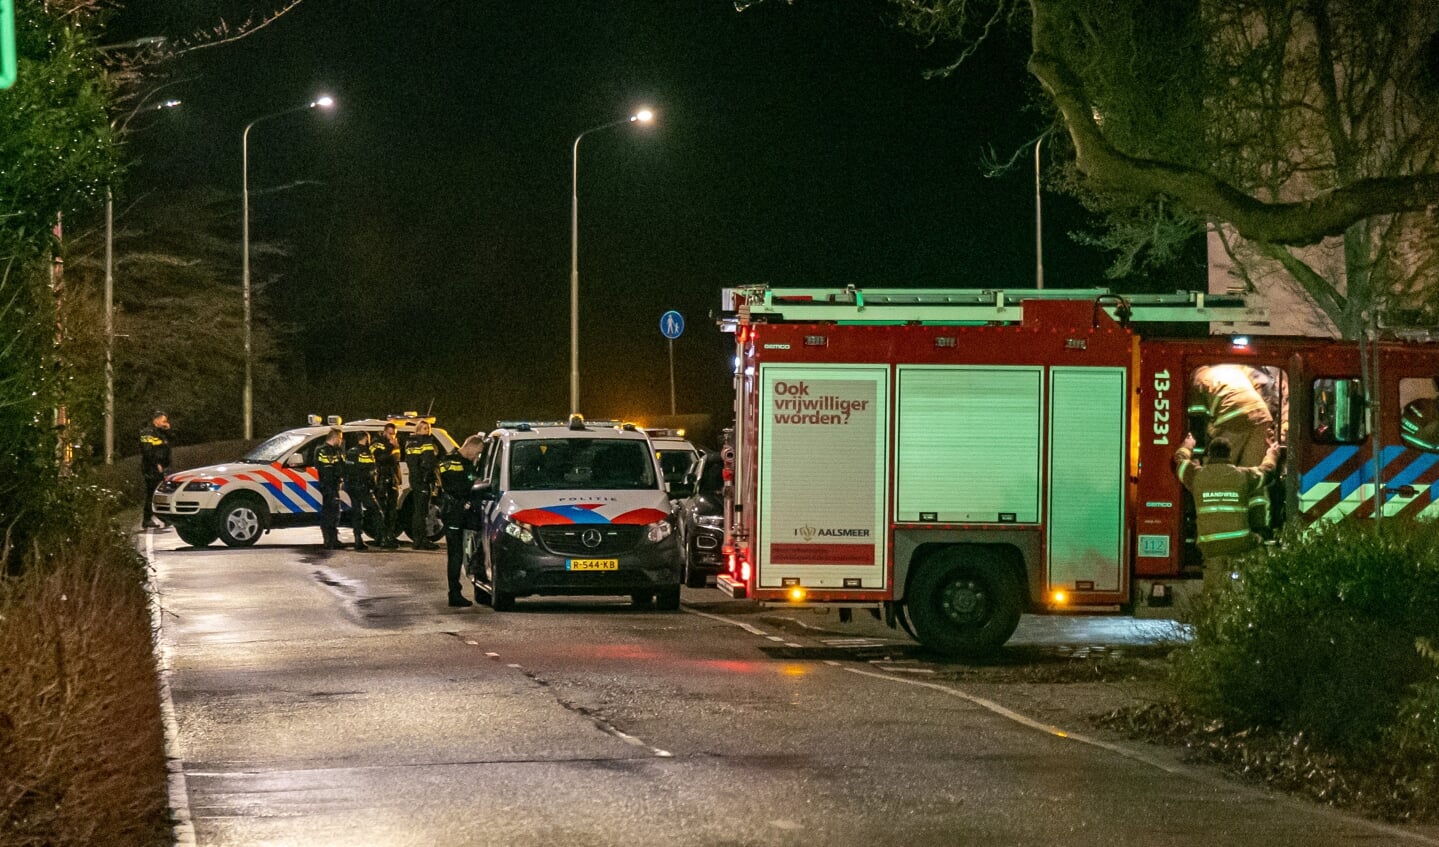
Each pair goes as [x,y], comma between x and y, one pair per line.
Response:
[323,102]
[1038,223]
[643,116]
[110,290]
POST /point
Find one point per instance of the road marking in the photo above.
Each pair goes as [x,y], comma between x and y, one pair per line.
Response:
[774,638]
[472,643]
[176,786]
[750,628]
[1144,758]
[791,644]
[492,655]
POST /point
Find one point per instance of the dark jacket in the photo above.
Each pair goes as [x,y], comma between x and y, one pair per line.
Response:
[422,454]
[359,468]
[154,451]
[457,477]
[387,462]
[330,463]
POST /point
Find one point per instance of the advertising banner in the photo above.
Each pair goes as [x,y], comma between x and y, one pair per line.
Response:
[823,473]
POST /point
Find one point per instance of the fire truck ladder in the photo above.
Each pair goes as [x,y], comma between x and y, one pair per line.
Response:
[853,305]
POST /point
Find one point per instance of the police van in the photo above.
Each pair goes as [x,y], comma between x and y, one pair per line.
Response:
[574,508]
[678,457]
[276,485]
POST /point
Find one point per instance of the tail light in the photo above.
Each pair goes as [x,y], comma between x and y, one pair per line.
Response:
[744,572]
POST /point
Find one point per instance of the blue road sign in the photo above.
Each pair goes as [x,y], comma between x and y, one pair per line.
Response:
[672,324]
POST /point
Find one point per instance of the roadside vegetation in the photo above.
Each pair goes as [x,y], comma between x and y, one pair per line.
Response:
[1318,672]
[81,748]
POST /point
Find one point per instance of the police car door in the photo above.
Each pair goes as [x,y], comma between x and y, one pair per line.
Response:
[491,463]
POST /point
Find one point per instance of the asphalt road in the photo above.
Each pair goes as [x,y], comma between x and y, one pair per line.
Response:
[334,699]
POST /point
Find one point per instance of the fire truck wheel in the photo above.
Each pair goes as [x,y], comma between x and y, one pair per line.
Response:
[965,601]
[195,535]
[241,521]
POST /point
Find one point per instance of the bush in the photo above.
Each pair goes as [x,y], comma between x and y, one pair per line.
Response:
[81,746]
[1318,637]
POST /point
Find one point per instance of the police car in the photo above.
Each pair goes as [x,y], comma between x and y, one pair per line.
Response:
[275,485]
[575,508]
[677,456]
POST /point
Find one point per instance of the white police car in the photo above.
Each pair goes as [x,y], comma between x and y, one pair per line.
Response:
[575,508]
[275,485]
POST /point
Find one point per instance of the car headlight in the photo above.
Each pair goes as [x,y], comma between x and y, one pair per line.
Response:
[658,531]
[202,485]
[711,521]
[521,530]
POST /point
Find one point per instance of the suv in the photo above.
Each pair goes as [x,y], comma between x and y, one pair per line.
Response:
[274,486]
[574,508]
[701,516]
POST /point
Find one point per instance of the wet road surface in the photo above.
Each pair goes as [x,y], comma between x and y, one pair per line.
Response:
[332,698]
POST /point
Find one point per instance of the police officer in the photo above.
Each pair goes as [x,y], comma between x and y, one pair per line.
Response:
[386,450]
[1230,503]
[457,478]
[154,461]
[360,482]
[330,462]
[422,454]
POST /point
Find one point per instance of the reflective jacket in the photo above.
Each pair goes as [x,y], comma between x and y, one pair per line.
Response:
[387,462]
[359,468]
[330,463]
[457,477]
[422,453]
[1224,395]
[1229,501]
[1419,424]
[154,451]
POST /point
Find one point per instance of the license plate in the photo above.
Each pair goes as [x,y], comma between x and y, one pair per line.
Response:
[594,564]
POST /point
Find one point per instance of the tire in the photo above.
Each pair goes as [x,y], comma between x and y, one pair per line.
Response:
[196,535]
[693,579]
[436,526]
[501,601]
[241,521]
[965,601]
[642,599]
[668,599]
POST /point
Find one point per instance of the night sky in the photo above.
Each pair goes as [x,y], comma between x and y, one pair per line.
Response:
[796,145]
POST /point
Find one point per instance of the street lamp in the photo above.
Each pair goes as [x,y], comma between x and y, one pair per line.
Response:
[110,270]
[643,116]
[323,102]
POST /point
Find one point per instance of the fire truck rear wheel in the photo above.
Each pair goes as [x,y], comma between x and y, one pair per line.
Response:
[241,520]
[965,601]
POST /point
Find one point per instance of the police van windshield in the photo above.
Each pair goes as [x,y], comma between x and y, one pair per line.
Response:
[275,448]
[561,463]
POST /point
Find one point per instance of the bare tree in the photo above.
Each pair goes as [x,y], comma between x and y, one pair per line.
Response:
[1302,132]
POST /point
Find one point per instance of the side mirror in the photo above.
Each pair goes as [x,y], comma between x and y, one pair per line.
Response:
[295,460]
[680,490]
[482,490]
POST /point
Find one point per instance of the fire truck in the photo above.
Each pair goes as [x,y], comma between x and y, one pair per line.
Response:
[951,459]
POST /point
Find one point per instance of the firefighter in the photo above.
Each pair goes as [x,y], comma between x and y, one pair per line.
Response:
[360,482]
[1225,400]
[1230,503]
[154,461]
[422,454]
[1419,423]
[386,451]
[457,479]
[330,463]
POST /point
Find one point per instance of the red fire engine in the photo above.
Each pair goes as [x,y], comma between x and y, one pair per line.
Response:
[951,459]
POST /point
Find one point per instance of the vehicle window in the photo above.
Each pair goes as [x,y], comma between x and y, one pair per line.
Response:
[712,477]
[1339,415]
[275,448]
[675,464]
[1419,414]
[559,463]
